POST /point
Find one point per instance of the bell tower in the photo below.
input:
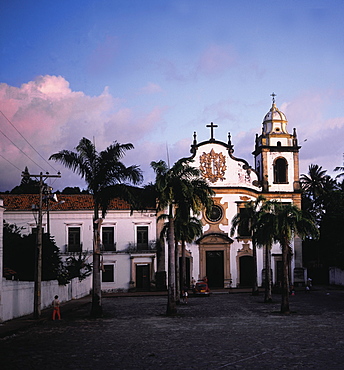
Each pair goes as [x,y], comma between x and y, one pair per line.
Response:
[277,153]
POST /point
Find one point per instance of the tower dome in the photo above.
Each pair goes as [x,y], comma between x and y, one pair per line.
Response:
[274,114]
[275,121]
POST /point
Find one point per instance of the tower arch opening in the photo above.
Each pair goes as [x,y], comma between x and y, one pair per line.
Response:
[280,171]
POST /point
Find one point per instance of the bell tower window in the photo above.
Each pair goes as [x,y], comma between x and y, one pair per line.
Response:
[280,171]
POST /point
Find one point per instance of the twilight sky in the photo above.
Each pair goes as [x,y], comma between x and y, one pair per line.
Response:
[151,72]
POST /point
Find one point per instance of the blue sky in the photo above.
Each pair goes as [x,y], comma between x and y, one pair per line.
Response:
[153,72]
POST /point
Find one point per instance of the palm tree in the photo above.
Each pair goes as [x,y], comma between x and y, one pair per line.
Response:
[265,235]
[181,190]
[247,222]
[316,186]
[106,177]
[340,168]
[289,221]
[185,231]
[314,183]
[188,232]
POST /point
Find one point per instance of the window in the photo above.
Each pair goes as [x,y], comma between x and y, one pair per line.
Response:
[34,230]
[215,213]
[108,238]
[142,237]
[108,274]
[244,227]
[280,171]
[74,244]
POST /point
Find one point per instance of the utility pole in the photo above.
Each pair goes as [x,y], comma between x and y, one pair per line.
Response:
[38,268]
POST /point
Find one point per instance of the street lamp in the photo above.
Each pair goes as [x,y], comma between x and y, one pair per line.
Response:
[38,271]
[47,198]
[37,301]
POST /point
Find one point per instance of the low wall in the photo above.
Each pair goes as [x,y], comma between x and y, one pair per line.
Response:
[17,297]
[336,276]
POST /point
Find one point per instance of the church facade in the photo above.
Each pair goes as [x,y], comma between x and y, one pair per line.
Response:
[227,260]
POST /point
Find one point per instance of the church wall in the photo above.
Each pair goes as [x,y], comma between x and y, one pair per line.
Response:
[271,157]
[235,172]
[284,141]
[235,184]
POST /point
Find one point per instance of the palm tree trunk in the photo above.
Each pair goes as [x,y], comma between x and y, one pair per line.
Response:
[176,256]
[268,288]
[96,309]
[171,291]
[255,290]
[285,283]
[183,267]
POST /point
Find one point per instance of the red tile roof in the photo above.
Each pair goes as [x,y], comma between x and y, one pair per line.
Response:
[75,202]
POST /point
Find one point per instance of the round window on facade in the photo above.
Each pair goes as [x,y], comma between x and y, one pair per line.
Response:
[215,213]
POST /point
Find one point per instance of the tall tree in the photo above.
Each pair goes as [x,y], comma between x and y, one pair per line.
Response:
[106,178]
[27,185]
[340,168]
[265,236]
[182,190]
[290,221]
[314,182]
[315,186]
[246,222]
[25,246]
[185,231]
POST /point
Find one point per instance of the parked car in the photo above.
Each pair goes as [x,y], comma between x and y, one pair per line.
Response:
[202,288]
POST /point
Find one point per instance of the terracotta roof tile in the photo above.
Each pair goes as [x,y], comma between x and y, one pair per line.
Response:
[73,202]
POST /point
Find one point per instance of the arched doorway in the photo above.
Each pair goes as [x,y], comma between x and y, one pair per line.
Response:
[215,269]
[246,271]
[143,277]
[214,259]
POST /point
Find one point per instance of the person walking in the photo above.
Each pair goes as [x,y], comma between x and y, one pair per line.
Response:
[56,306]
[185,294]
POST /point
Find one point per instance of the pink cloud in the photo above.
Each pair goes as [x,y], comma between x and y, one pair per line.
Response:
[126,124]
[220,111]
[217,59]
[52,117]
[319,131]
[104,56]
[150,88]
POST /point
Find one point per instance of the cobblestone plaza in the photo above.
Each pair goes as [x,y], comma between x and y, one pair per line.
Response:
[223,331]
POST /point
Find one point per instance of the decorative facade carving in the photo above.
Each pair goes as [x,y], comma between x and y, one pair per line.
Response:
[213,166]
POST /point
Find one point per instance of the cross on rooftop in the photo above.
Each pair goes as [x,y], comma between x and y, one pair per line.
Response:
[212,126]
[273,97]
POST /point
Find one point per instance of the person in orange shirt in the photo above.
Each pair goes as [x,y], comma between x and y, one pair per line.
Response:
[56,305]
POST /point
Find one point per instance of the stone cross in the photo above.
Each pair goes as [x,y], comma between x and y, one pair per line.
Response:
[212,126]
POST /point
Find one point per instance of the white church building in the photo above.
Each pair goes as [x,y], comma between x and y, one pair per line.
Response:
[225,260]
[131,257]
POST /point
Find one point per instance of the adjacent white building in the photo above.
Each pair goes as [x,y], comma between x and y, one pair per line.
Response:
[129,248]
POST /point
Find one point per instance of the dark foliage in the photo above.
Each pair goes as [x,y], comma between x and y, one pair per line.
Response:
[20,252]
[324,198]
[27,185]
[74,190]
[77,266]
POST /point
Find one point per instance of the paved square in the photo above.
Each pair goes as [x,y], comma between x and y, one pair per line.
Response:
[223,331]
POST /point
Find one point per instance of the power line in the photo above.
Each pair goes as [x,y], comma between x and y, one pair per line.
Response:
[11,163]
[49,164]
[21,151]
